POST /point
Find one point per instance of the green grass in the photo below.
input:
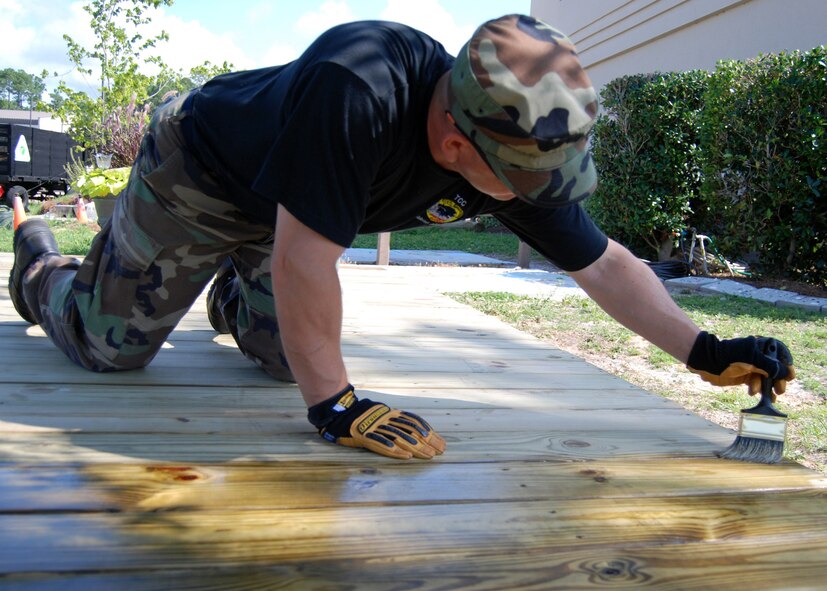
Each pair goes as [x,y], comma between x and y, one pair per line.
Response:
[495,244]
[804,332]
[579,323]
[72,237]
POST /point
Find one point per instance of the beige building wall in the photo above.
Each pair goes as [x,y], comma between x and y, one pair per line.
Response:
[619,37]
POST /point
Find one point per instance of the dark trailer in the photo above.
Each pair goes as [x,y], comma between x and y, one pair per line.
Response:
[33,161]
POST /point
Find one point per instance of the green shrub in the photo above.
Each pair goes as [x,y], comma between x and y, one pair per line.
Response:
[100,182]
[646,152]
[765,162]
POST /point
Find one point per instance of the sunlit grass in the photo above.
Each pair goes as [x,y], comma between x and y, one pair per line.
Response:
[72,237]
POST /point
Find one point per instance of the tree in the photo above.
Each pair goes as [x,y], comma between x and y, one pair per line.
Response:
[20,89]
[118,51]
[31,91]
[173,82]
[7,87]
[115,119]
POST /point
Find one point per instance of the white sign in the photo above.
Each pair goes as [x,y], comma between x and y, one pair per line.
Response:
[21,151]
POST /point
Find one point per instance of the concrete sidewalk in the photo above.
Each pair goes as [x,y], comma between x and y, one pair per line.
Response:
[362,256]
[457,271]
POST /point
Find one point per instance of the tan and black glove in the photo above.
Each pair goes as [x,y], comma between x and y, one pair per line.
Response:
[741,361]
[346,420]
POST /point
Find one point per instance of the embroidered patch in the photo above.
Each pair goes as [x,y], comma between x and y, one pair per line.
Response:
[445,211]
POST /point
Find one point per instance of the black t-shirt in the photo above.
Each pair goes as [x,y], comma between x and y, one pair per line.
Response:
[339,138]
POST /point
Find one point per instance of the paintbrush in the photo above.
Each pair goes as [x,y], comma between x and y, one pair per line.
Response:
[763,428]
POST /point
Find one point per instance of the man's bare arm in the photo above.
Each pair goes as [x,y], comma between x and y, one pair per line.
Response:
[631,293]
[628,290]
[309,307]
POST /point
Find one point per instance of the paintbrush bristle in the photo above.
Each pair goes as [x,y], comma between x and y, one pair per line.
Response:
[751,449]
[763,428]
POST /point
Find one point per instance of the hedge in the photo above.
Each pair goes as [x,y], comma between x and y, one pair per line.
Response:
[645,149]
[765,162]
[739,153]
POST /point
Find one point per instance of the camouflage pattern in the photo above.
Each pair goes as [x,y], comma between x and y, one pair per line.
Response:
[520,95]
[168,235]
[6,217]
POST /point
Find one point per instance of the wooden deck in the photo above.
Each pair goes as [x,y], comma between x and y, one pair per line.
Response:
[201,473]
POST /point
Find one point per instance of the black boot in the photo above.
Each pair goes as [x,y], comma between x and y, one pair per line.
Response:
[223,278]
[32,240]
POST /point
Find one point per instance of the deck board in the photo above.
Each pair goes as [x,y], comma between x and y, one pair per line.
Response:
[199,472]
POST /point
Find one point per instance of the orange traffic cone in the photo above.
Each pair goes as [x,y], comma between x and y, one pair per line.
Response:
[19,212]
[80,212]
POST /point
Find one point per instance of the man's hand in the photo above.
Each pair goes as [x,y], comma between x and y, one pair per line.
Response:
[741,361]
[348,421]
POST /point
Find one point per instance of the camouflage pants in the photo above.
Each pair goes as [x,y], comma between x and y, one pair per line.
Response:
[169,233]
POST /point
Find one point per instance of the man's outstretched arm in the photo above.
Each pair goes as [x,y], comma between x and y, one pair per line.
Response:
[309,309]
[628,290]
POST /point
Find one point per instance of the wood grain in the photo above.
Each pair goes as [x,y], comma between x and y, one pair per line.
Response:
[755,565]
[199,472]
[180,487]
[183,539]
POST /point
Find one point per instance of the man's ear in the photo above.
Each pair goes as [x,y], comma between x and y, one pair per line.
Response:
[452,147]
[453,142]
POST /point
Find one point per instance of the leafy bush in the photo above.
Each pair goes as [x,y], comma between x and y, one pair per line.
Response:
[101,182]
[646,152]
[765,161]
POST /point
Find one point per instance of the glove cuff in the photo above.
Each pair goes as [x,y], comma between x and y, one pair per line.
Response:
[707,353]
[713,356]
[322,414]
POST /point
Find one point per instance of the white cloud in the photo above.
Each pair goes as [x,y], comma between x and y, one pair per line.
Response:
[280,50]
[432,18]
[16,44]
[191,44]
[11,7]
[277,55]
[329,14]
[33,39]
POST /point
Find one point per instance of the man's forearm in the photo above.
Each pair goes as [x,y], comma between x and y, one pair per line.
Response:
[310,322]
[309,307]
[630,292]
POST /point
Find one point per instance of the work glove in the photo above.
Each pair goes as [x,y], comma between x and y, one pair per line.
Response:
[741,361]
[349,421]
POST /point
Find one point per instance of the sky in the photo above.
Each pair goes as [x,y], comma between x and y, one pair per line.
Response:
[245,33]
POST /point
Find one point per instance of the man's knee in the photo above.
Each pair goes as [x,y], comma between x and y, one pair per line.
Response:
[94,360]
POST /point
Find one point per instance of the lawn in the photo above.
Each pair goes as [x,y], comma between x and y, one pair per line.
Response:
[500,244]
[74,238]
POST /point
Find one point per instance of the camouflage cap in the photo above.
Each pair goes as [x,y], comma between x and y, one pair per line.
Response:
[519,93]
